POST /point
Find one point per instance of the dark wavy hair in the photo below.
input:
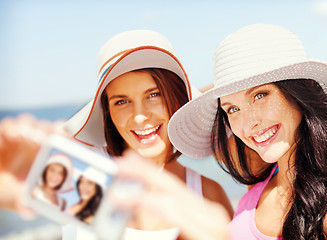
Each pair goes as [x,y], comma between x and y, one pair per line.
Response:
[173,93]
[92,205]
[308,204]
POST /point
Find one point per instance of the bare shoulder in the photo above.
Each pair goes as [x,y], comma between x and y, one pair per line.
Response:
[73,209]
[214,191]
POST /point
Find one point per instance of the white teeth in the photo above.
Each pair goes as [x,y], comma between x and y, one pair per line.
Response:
[147,131]
[265,136]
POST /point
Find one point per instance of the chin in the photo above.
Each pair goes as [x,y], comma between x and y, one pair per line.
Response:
[276,152]
[153,151]
[86,198]
[53,186]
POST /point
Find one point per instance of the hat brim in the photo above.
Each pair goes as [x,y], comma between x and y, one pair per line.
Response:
[87,125]
[190,127]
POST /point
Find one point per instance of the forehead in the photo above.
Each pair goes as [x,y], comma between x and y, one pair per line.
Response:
[131,81]
[56,166]
[246,92]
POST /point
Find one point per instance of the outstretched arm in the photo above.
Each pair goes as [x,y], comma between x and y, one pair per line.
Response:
[170,200]
[20,140]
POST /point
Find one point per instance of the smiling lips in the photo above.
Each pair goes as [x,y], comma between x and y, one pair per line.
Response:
[147,136]
[265,136]
[54,182]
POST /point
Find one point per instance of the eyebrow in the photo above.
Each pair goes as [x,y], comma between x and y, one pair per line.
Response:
[151,89]
[125,96]
[248,92]
[116,96]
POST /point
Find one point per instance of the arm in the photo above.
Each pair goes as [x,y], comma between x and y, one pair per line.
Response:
[172,201]
[20,140]
[214,192]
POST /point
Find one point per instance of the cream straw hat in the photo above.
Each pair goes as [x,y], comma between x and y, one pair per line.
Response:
[252,56]
[121,54]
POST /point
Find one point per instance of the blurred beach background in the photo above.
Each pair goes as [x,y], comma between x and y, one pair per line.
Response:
[49,53]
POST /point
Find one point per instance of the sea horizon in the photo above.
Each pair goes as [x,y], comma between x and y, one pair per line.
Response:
[51,113]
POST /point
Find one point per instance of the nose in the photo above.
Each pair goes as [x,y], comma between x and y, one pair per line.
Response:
[252,119]
[139,118]
[141,113]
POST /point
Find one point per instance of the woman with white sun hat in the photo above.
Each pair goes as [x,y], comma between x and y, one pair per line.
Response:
[141,83]
[90,186]
[268,105]
[270,98]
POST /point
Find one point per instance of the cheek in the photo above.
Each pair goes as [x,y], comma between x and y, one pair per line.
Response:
[235,127]
[47,176]
[50,173]
[158,107]
[163,112]
[118,118]
[285,112]
[82,186]
[278,109]
[295,117]
[62,176]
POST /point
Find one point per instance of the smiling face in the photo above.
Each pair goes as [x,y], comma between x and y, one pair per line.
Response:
[264,120]
[139,114]
[55,175]
[86,188]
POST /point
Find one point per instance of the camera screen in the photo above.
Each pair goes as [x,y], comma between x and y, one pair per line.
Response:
[70,186]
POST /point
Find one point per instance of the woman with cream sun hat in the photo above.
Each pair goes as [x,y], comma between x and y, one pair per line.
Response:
[270,98]
[55,179]
[141,84]
[123,53]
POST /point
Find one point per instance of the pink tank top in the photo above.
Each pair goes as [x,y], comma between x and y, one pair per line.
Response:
[243,224]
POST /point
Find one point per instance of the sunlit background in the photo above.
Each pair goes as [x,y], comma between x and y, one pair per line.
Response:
[49,48]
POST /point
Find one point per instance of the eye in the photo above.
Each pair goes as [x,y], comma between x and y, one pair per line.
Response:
[121,102]
[232,110]
[259,95]
[155,94]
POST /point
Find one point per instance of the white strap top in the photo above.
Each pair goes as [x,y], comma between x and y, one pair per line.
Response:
[39,194]
[194,182]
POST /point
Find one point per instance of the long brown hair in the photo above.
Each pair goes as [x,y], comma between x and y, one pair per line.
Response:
[92,204]
[308,205]
[173,92]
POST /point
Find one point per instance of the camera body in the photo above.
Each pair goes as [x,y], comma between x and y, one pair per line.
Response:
[70,183]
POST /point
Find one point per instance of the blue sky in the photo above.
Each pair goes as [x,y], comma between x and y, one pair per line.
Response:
[49,48]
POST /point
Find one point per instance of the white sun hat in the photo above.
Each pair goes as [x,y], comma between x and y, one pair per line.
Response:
[123,53]
[93,174]
[252,56]
[67,163]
